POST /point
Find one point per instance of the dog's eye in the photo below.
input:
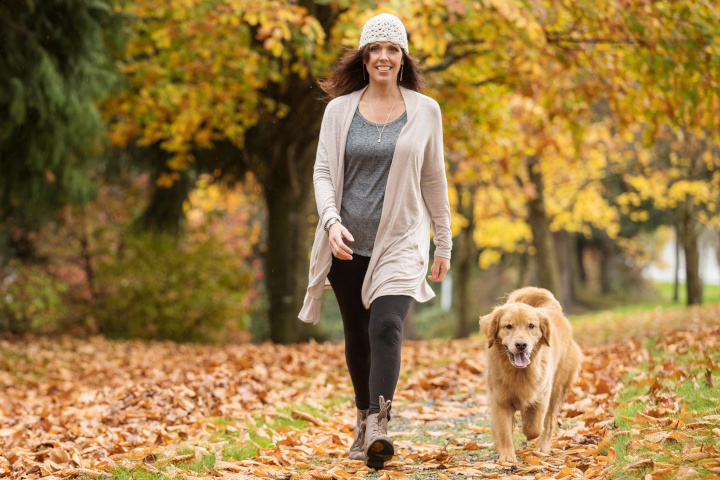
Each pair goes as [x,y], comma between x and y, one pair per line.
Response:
[531,326]
[509,327]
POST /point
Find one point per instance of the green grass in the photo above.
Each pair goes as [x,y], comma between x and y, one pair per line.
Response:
[695,397]
[240,450]
[137,474]
[711,294]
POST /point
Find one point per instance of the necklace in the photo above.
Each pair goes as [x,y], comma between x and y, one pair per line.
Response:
[380,132]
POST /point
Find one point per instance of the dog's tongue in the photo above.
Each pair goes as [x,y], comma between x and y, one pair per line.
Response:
[521,360]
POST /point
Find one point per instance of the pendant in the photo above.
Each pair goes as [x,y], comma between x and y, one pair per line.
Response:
[379,138]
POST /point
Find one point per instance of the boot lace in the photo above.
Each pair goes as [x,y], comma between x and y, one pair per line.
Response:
[360,438]
[384,408]
[376,428]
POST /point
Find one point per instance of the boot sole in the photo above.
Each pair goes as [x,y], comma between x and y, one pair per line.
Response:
[378,453]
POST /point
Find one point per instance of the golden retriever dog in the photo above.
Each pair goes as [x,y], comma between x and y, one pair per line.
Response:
[532,362]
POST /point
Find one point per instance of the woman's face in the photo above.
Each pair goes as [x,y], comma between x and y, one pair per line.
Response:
[383,62]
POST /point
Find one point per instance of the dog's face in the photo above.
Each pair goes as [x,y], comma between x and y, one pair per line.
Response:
[519,328]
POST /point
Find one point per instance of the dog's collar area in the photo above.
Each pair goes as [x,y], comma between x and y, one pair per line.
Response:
[519,360]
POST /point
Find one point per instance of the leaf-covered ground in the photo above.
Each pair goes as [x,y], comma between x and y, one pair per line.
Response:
[97,409]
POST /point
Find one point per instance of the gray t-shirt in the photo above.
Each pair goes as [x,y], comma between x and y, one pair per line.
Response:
[367,164]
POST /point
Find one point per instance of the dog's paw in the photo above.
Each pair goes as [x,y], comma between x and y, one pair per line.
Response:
[507,457]
[542,449]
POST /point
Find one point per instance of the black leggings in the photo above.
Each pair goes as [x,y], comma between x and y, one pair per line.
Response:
[372,337]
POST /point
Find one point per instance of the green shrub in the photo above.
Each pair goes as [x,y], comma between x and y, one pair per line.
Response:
[162,288]
[31,300]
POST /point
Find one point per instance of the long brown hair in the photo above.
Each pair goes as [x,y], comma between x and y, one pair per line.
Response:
[347,75]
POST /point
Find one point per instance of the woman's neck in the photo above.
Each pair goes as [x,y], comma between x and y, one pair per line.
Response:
[383,93]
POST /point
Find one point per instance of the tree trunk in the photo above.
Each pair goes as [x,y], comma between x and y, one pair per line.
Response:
[563,252]
[542,238]
[580,244]
[717,246]
[525,270]
[689,234]
[608,267]
[286,260]
[281,154]
[164,213]
[465,259]
[676,283]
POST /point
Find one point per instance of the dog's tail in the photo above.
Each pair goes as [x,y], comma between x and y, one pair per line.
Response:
[535,297]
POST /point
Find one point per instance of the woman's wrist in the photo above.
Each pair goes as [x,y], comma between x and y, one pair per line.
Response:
[331,221]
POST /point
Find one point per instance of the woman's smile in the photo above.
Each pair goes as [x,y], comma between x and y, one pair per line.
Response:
[384,59]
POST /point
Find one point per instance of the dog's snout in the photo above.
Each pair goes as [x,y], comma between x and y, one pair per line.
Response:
[521,345]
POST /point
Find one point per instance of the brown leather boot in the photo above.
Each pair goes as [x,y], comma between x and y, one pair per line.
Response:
[379,447]
[357,450]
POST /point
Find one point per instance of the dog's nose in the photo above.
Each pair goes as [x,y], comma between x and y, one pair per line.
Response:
[521,345]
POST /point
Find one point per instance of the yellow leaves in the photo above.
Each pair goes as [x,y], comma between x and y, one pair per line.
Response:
[162,38]
[166,180]
[501,232]
[489,257]
[121,133]
[273,45]
[578,208]
[710,161]
[235,207]
[699,191]
[180,161]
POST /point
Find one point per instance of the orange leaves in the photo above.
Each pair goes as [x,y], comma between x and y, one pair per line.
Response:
[82,408]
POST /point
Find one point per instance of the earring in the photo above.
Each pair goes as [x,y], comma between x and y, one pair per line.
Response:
[363,69]
[401,70]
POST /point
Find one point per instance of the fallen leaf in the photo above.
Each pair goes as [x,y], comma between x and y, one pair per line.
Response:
[639,465]
[305,416]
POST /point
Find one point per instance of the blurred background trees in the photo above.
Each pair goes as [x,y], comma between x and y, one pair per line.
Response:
[572,134]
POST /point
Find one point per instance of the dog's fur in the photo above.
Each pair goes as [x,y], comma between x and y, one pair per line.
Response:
[532,316]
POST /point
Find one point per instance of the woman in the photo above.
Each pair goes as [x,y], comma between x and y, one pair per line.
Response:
[380,187]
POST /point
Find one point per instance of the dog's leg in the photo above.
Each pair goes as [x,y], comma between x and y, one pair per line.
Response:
[561,385]
[501,426]
[556,400]
[557,397]
[532,420]
[548,426]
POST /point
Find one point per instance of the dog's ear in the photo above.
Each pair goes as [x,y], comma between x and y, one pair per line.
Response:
[490,324]
[545,329]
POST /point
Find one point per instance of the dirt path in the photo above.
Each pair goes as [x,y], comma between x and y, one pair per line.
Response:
[440,427]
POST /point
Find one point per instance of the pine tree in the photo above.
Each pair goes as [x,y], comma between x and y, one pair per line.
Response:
[56,62]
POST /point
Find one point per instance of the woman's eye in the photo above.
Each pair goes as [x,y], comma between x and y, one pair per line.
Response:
[531,326]
[509,327]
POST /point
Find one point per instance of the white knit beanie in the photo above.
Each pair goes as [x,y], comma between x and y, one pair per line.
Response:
[384,28]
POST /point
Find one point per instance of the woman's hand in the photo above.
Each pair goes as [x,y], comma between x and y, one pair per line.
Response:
[439,269]
[337,246]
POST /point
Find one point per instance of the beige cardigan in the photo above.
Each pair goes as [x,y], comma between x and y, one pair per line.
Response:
[416,200]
